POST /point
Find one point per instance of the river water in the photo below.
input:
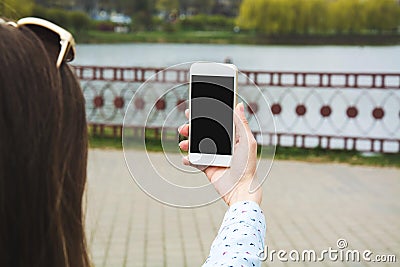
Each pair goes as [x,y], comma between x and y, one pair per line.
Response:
[279,58]
[274,58]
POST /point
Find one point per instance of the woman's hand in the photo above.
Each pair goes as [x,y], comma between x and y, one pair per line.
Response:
[233,183]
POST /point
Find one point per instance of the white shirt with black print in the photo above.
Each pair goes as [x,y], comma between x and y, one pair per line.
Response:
[240,238]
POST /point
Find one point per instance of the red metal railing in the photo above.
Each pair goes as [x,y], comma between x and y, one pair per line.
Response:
[267,78]
[352,111]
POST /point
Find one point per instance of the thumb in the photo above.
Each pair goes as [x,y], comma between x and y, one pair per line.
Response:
[242,125]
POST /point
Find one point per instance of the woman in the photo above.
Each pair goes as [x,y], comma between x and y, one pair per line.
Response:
[43,156]
[43,151]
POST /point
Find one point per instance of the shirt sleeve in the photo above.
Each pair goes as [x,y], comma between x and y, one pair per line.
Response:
[240,238]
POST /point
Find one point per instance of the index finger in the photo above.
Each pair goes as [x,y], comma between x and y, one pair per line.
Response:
[184,130]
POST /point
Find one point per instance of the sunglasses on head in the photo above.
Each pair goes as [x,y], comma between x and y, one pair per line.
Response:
[59,42]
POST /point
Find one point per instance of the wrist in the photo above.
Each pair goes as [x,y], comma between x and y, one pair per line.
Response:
[242,192]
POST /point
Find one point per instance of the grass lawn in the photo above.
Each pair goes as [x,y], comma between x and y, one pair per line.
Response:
[282,153]
[230,37]
[219,37]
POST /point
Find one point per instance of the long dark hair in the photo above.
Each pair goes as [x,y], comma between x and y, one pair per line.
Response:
[43,156]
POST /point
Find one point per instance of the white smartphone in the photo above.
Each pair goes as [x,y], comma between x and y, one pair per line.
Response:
[212,99]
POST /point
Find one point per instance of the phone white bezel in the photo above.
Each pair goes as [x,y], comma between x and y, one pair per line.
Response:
[212,69]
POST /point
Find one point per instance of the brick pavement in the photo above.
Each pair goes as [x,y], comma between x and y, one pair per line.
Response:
[307,206]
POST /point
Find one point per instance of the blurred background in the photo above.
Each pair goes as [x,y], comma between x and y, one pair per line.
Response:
[329,70]
[221,21]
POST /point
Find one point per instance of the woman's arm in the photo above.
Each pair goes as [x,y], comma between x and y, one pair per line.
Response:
[242,233]
[240,238]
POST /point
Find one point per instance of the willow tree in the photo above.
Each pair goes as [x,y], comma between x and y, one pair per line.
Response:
[319,16]
[16,9]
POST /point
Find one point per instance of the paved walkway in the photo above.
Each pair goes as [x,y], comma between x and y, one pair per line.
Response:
[307,206]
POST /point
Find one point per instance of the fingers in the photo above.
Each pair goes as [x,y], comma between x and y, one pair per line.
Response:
[184,145]
[185,161]
[184,130]
[240,111]
[241,123]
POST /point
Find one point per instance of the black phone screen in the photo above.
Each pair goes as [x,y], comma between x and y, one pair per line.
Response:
[212,100]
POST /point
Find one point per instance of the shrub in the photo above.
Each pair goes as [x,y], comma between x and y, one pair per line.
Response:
[79,21]
[207,23]
[104,26]
[59,17]
[72,20]
[39,11]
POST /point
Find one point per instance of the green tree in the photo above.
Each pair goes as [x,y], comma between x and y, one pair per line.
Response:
[319,16]
[58,16]
[79,21]
[249,17]
[382,15]
[202,6]
[310,16]
[167,5]
[15,9]
[299,17]
[267,16]
[347,16]
[235,5]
